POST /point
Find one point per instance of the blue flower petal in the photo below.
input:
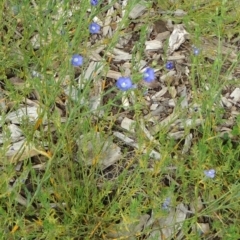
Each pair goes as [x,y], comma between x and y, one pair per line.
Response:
[149,75]
[166,203]
[94,28]
[169,65]
[124,83]
[210,173]
[94,2]
[196,51]
[77,60]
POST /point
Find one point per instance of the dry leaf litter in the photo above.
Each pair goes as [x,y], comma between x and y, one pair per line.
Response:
[168,102]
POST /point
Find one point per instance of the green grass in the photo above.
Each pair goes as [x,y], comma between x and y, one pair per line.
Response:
[65,199]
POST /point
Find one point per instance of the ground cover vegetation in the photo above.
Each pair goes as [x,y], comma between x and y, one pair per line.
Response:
[119,119]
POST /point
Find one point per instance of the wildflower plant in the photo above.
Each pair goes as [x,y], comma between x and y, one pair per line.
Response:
[66,121]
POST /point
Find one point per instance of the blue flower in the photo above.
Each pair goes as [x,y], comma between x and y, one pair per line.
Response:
[124,83]
[166,203]
[149,75]
[169,65]
[77,60]
[94,2]
[210,173]
[94,28]
[196,51]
